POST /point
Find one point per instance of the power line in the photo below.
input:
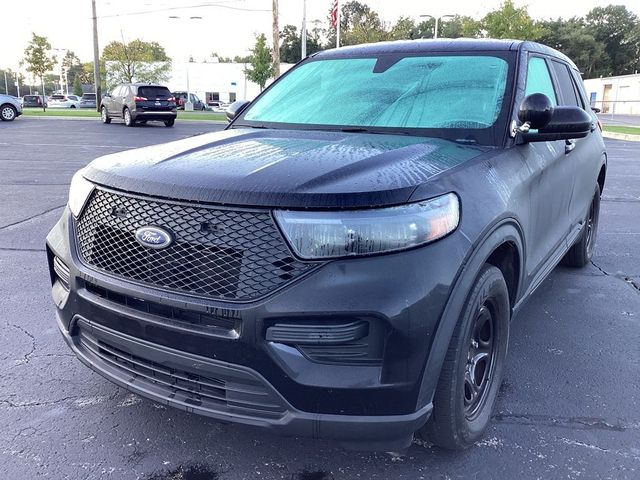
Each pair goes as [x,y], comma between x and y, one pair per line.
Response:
[185,7]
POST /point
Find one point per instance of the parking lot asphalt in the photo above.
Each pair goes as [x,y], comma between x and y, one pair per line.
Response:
[569,406]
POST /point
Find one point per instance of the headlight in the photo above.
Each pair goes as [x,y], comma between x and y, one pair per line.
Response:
[315,235]
[79,193]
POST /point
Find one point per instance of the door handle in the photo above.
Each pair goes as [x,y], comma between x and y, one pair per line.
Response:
[569,145]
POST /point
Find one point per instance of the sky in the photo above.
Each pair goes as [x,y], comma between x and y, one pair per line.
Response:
[227,27]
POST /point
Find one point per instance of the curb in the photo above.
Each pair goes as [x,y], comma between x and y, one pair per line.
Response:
[621,136]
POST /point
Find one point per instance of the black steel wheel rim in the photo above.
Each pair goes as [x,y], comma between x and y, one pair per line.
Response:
[481,356]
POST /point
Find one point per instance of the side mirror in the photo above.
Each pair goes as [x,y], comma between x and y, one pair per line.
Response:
[552,123]
[536,110]
[106,95]
[235,109]
[596,109]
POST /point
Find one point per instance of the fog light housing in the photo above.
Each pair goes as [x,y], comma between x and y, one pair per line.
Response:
[62,272]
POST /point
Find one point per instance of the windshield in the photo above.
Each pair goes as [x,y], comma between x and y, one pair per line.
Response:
[461,93]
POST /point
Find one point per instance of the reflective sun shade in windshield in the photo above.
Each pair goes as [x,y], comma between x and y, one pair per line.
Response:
[388,91]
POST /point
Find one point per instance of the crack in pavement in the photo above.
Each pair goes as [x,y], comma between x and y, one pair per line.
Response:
[3,227]
[10,404]
[10,249]
[620,276]
[621,453]
[27,356]
[575,423]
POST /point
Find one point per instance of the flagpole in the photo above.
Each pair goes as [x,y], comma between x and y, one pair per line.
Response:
[338,25]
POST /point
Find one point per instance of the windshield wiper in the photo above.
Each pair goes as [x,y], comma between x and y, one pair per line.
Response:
[368,130]
[249,126]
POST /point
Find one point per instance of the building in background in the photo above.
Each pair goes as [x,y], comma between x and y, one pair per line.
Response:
[619,95]
[215,82]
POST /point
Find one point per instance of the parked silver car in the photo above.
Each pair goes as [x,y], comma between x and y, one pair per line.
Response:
[64,101]
[10,107]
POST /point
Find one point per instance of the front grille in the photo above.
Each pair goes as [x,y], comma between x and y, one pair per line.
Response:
[222,390]
[220,253]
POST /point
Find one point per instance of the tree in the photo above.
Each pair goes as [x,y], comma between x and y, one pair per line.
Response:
[220,58]
[136,61]
[261,64]
[615,27]
[71,65]
[38,60]
[510,22]
[77,86]
[404,29]
[360,24]
[291,44]
[458,26]
[576,41]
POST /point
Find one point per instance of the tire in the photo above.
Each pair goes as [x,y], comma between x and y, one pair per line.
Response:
[169,123]
[581,252]
[8,113]
[104,115]
[474,364]
[128,119]
[72,106]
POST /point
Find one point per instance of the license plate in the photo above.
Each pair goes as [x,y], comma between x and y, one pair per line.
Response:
[158,104]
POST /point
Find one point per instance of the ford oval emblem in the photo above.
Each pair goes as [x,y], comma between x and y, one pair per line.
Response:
[154,237]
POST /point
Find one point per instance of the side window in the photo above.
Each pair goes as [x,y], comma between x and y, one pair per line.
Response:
[568,92]
[116,91]
[582,94]
[539,79]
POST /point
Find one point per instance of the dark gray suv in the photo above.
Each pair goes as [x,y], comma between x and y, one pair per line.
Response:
[139,102]
[344,260]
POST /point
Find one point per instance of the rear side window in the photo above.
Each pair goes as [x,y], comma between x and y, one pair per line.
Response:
[566,88]
[154,92]
[539,79]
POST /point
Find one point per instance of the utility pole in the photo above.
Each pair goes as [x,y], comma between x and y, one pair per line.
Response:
[276,41]
[338,24]
[6,86]
[18,81]
[304,30]
[96,57]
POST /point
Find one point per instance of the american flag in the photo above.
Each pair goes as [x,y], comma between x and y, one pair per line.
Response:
[334,14]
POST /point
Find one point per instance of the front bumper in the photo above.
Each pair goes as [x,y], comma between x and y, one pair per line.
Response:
[365,405]
[386,431]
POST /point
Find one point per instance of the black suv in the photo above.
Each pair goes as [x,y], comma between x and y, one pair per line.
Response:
[343,260]
[139,102]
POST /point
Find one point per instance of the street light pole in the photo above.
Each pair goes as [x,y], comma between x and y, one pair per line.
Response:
[304,29]
[437,21]
[96,57]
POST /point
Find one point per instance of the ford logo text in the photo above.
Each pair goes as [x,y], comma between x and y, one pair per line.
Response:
[154,237]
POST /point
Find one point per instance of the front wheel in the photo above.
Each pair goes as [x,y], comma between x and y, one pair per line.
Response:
[72,106]
[169,123]
[104,116]
[8,113]
[581,252]
[474,364]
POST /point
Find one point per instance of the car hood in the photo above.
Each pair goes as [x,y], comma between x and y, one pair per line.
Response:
[283,168]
